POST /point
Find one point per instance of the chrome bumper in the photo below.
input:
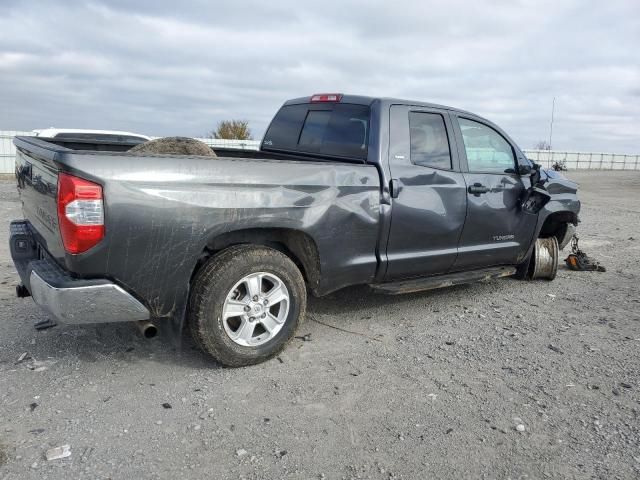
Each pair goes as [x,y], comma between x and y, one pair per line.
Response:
[87,304]
[64,297]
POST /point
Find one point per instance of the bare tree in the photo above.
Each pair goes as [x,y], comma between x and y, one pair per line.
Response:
[542,145]
[232,130]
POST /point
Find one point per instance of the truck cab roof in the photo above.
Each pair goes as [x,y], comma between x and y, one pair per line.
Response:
[340,127]
[386,101]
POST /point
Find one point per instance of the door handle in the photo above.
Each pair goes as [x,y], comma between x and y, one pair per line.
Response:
[394,187]
[477,189]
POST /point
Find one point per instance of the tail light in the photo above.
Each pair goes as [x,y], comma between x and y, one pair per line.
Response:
[326,97]
[80,213]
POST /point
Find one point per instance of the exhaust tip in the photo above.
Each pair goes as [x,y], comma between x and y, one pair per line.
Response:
[22,291]
[147,329]
[151,331]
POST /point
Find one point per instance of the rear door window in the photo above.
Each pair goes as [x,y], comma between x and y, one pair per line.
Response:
[336,129]
[429,141]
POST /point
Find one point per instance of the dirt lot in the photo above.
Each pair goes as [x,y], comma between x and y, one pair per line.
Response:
[429,385]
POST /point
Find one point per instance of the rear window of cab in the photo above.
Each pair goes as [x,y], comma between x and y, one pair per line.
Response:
[332,129]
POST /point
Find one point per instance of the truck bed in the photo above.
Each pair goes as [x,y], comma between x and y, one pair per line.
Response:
[164,212]
[113,146]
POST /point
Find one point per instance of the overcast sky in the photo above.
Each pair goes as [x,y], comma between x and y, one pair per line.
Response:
[167,67]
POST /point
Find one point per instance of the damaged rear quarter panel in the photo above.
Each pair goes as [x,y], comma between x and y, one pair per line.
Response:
[162,211]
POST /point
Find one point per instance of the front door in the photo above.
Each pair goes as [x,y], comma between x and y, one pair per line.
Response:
[496,230]
[428,193]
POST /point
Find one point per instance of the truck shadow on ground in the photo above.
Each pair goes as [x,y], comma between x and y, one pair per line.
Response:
[110,343]
[121,342]
[359,298]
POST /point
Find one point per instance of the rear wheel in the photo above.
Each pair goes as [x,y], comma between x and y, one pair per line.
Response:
[246,304]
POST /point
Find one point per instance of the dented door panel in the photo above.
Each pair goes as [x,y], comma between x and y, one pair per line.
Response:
[428,208]
[496,231]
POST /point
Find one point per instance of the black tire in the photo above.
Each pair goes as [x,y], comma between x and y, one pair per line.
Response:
[523,270]
[213,283]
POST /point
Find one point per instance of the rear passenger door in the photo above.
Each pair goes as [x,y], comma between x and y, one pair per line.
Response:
[428,193]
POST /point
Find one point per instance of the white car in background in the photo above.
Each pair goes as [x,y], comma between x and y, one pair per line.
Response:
[90,135]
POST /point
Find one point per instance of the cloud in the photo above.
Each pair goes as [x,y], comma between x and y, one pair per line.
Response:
[163,67]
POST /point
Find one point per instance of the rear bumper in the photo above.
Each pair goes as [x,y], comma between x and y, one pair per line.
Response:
[63,297]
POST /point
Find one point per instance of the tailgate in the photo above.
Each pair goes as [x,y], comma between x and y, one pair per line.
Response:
[37,178]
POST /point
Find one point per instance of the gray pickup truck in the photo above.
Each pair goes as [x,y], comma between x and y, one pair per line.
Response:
[400,195]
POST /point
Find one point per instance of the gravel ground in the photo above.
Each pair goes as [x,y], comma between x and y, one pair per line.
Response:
[504,379]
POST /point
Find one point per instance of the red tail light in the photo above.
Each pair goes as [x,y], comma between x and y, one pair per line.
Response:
[326,97]
[80,213]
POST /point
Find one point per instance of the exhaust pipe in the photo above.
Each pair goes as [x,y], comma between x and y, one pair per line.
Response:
[147,329]
[22,291]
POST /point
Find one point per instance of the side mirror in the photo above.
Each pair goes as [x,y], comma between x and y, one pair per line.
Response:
[534,200]
[536,178]
[525,169]
[536,196]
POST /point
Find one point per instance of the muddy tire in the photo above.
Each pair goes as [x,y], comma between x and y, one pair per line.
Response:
[246,304]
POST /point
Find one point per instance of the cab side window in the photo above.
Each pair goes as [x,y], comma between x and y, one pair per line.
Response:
[429,141]
[487,150]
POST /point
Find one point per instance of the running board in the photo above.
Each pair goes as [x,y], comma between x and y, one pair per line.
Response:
[441,281]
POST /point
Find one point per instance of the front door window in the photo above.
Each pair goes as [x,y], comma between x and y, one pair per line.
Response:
[487,150]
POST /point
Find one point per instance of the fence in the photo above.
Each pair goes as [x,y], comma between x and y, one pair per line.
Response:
[8,150]
[572,160]
[585,160]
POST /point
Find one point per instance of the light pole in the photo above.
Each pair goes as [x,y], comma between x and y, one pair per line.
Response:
[553,107]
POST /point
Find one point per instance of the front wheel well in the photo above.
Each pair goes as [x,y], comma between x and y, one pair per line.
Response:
[556,224]
[297,245]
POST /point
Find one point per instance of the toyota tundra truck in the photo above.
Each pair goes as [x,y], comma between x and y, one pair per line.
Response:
[345,190]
